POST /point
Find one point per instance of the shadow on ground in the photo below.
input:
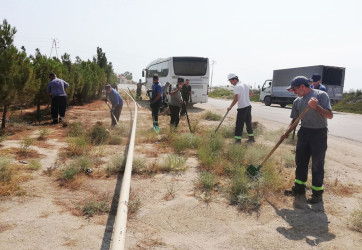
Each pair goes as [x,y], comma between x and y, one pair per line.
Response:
[309,223]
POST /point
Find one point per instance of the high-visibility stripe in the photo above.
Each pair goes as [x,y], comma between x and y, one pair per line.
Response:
[300,182]
[250,134]
[317,188]
[237,137]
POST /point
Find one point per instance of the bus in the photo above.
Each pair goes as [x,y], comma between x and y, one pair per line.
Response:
[196,69]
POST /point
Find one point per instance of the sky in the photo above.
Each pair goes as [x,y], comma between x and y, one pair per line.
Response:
[248,38]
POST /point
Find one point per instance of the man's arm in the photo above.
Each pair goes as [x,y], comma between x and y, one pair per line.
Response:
[251,93]
[236,98]
[326,113]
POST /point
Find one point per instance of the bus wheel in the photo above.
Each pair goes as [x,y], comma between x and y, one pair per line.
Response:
[283,105]
[267,101]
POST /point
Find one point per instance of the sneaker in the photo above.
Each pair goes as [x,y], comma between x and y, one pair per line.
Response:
[157,129]
[294,192]
[315,199]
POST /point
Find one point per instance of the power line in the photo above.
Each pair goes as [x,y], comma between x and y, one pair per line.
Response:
[54,45]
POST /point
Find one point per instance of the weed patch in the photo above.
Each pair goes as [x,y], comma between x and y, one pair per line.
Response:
[98,134]
[43,133]
[210,116]
[34,165]
[355,220]
[173,163]
[115,165]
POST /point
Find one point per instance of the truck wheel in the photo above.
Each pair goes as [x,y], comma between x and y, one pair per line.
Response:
[283,105]
[267,101]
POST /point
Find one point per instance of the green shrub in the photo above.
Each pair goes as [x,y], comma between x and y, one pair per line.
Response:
[210,116]
[94,207]
[115,165]
[173,163]
[222,93]
[26,143]
[43,133]
[181,142]
[76,129]
[207,181]
[98,134]
[34,165]
[78,146]
[138,165]
[235,153]
[356,219]
[115,140]
[5,171]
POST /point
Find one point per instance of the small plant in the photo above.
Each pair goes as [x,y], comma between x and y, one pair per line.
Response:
[181,142]
[173,163]
[43,133]
[134,204]
[171,191]
[207,181]
[25,144]
[210,116]
[76,129]
[5,171]
[356,220]
[115,165]
[115,140]
[95,207]
[138,165]
[98,134]
[77,146]
[34,165]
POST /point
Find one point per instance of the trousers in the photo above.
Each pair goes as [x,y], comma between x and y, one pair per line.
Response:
[243,116]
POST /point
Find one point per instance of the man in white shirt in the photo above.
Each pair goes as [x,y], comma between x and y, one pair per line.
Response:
[242,93]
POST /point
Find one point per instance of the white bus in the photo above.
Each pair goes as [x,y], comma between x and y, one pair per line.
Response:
[196,69]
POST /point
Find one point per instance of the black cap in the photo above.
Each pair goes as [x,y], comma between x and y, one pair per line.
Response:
[315,78]
[297,81]
[180,80]
[108,87]
[51,74]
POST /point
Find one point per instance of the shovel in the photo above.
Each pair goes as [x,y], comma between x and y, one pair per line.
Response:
[221,122]
[187,117]
[254,171]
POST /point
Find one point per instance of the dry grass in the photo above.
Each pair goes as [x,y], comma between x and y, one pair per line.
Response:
[355,220]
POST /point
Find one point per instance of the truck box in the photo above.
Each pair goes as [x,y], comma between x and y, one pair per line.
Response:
[274,91]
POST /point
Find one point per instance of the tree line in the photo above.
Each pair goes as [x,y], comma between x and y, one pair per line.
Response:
[24,78]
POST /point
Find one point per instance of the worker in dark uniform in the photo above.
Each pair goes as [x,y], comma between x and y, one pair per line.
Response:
[156,102]
[117,104]
[312,137]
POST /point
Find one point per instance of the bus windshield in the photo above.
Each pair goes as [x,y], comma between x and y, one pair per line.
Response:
[190,66]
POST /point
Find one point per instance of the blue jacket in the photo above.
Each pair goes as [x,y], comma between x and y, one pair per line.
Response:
[156,88]
[57,87]
[115,98]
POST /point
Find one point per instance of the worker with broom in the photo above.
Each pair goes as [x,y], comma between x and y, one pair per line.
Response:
[312,137]
[242,94]
[117,104]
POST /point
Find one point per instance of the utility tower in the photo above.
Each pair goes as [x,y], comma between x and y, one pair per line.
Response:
[54,45]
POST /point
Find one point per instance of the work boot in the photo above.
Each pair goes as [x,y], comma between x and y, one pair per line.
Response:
[55,121]
[297,189]
[238,141]
[316,198]
[251,139]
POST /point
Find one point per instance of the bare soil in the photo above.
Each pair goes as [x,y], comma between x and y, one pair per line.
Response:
[47,216]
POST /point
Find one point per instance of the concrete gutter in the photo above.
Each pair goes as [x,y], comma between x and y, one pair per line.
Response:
[119,231]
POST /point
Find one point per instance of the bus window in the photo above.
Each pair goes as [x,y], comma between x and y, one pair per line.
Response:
[187,66]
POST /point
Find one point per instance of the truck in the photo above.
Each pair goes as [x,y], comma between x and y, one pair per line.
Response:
[274,91]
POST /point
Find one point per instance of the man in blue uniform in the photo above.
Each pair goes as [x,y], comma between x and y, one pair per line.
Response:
[156,101]
[312,136]
[56,89]
[117,104]
[316,81]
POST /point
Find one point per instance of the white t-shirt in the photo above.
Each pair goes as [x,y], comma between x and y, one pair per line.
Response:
[242,90]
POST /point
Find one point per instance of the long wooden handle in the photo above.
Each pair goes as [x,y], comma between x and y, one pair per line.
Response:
[221,122]
[294,124]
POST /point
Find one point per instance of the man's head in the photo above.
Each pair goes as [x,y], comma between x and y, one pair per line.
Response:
[187,82]
[316,79]
[52,75]
[140,81]
[299,86]
[233,79]
[155,78]
[108,88]
[180,81]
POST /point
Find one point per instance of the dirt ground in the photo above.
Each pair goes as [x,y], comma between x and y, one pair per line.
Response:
[45,215]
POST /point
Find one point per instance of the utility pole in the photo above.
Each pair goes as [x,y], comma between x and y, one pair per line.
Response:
[54,45]
[212,73]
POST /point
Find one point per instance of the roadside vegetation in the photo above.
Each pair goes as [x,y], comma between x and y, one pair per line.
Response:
[351,102]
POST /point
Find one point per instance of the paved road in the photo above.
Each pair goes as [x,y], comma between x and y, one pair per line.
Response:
[342,125]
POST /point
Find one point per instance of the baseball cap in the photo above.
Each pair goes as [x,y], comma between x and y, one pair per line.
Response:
[298,81]
[315,78]
[231,76]
[155,77]
[180,80]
